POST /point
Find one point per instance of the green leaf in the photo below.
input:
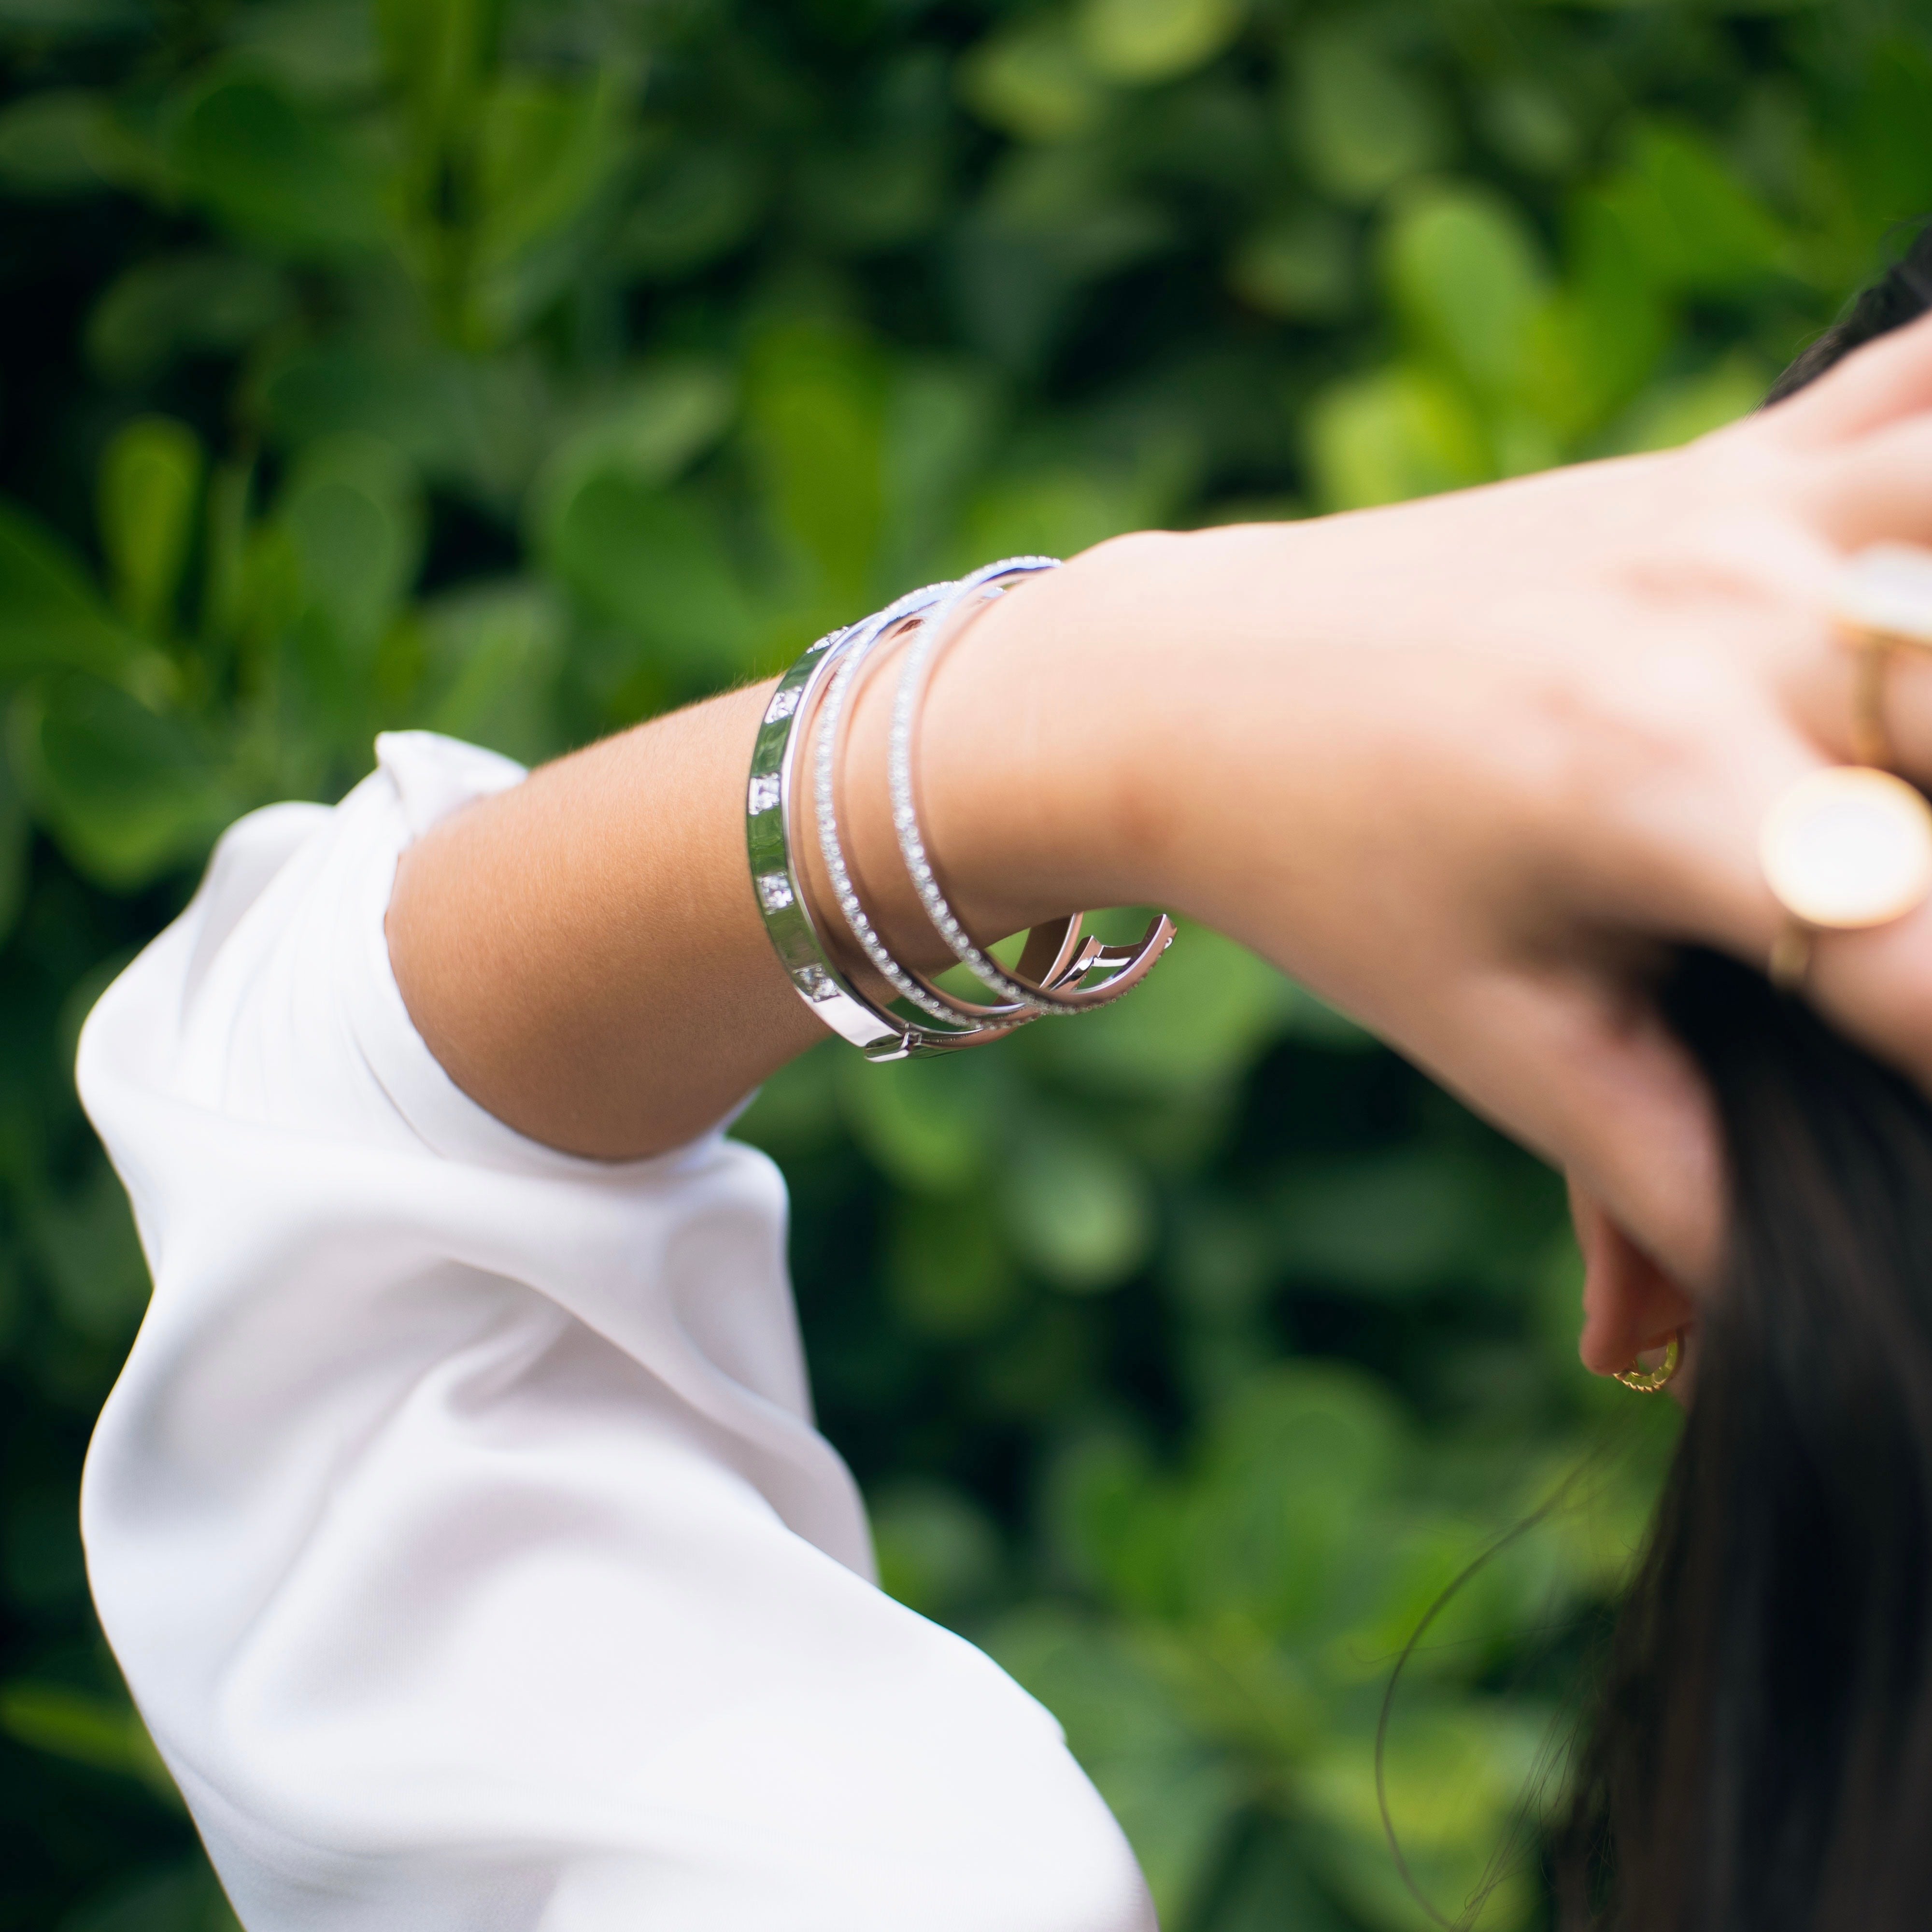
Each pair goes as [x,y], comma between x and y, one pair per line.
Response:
[1108,1517]
[202,302]
[353,510]
[1456,1775]
[1140,41]
[1301,268]
[1534,126]
[938,1550]
[1034,80]
[493,652]
[479,422]
[815,412]
[16,840]
[1397,434]
[655,563]
[58,143]
[1362,120]
[941,420]
[317,47]
[50,615]
[1175,1798]
[1270,1889]
[105,1733]
[186,1898]
[1076,1208]
[647,428]
[882,190]
[73,20]
[544,150]
[1200,1018]
[1054,220]
[150,488]
[1469,279]
[439,54]
[1291,1464]
[1884,149]
[1680,411]
[932,1124]
[275,175]
[84,1242]
[701,201]
[1693,225]
[1048,512]
[795,1113]
[127,794]
[1395,1225]
[947,1272]
[1605,331]
[547,156]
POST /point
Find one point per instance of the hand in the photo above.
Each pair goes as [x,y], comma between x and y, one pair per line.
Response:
[1468,766]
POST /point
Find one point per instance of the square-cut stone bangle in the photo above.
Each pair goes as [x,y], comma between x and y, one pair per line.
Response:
[783,904]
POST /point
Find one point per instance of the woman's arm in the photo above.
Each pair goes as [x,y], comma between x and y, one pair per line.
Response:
[583,953]
[1460,765]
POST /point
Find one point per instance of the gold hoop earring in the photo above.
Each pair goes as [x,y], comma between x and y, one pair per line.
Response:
[1650,1381]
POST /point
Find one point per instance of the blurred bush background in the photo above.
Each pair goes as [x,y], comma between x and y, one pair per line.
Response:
[518,370]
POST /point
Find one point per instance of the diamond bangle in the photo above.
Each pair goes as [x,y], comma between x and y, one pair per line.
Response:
[1059,991]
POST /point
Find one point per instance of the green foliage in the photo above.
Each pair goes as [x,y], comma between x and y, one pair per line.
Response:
[519,368]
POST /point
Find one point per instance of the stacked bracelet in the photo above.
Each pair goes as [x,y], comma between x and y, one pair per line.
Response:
[1060,991]
[922,1017]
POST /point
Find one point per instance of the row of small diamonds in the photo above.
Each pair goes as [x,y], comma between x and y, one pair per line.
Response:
[905,817]
[823,790]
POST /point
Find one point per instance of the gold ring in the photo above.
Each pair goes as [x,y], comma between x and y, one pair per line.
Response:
[1790,957]
[1883,603]
[1649,1381]
[1845,848]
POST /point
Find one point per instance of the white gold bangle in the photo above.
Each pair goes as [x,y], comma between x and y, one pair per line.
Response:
[815,695]
[827,754]
[783,907]
[1059,991]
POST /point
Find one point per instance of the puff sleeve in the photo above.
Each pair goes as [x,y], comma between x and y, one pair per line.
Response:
[459,1519]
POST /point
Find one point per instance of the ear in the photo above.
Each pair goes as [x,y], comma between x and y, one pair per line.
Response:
[1630,1306]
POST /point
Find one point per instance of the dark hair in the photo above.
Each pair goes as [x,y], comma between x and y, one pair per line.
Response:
[1901,294]
[1760,1759]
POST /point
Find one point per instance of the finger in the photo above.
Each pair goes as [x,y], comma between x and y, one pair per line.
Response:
[1875,984]
[1878,492]
[1824,680]
[1886,379]
[1876,487]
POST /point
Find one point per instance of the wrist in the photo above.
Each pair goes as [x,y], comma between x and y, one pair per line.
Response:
[1041,779]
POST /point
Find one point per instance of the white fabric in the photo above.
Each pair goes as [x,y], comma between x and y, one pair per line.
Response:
[458,1519]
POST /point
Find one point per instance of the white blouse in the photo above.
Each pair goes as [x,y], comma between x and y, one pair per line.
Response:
[459,1520]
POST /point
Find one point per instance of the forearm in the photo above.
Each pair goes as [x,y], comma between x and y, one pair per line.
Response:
[583,953]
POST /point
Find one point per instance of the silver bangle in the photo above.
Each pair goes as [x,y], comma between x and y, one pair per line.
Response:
[1059,991]
[1062,936]
[815,694]
[781,901]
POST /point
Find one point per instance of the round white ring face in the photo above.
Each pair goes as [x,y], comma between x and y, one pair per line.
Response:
[1848,847]
[1887,589]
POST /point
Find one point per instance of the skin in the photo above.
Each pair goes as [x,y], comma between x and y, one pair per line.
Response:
[1465,766]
